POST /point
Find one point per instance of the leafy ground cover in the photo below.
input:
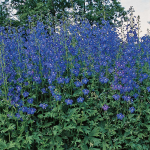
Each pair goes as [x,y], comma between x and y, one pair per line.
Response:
[74,92]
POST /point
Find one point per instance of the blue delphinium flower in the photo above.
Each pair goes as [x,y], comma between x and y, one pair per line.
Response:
[67,80]
[132,109]
[12,102]
[49,65]
[25,94]
[17,98]
[43,91]
[80,99]
[31,111]
[119,87]
[145,76]
[23,109]
[75,72]
[116,97]
[135,95]
[60,80]
[30,100]
[105,107]
[69,101]
[85,91]
[21,103]
[57,97]
[126,98]
[148,88]
[51,88]
[9,116]
[120,116]
[103,80]
[21,119]
[17,115]
[37,79]
[26,83]
[78,83]
[20,80]
[53,74]
[50,80]
[43,105]
[131,100]
[18,88]
[85,81]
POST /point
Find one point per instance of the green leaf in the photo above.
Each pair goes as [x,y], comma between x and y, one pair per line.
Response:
[148,126]
[104,145]
[40,116]
[3,145]
[54,132]
[91,112]
[95,132]
[86,139]
[29,139]
[10,145]
[79,129]
[11,126]
[47,125]
[86,129]
[77,93]
[69,127]
[96,141]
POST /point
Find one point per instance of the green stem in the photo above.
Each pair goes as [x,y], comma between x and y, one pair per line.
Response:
[9,136]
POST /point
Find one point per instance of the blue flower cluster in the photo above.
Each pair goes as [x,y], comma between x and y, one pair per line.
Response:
[52,60]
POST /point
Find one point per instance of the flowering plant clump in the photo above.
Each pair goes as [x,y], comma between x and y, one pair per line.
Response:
[78,91]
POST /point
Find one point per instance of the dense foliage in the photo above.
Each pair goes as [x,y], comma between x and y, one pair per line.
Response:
[93,10]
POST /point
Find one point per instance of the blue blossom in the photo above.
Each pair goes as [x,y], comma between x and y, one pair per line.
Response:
[120,116]
[75,72]
[12,102]
[126,98]
[67,80]
[50,80]
[37,79]
[148,88]
[57,97]
[24,109]
[17,98]
[60,80]
[20,80]
[119,87]
[29,19]
[80,99]
[85,91]
[30,100]
[105,107]
[78,83]
[69,101]
[21,103]
[132,109]
[18,88]
[43,91]
[51,88]
[53,74]
[85,81]
[26,83]
[116,97]
[8,115]
[31,111]
[135,95]
[17,115]
[25,94]
[103,80]
[43,105]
